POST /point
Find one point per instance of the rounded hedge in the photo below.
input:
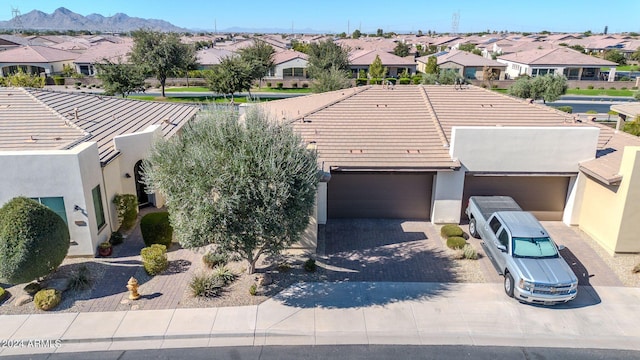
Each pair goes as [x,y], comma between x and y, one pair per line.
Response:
[47,299]
[450,230]
[3,293]
[156,229]
[456,242]
[33,240]
[154,259]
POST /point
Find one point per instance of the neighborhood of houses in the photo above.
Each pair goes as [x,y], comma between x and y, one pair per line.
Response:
[405,151]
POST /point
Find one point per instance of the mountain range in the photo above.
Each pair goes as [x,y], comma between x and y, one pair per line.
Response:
[63,19]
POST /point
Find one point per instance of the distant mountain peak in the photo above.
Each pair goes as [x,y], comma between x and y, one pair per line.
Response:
[63,19]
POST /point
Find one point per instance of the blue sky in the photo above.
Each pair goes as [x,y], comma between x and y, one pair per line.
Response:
[348,15]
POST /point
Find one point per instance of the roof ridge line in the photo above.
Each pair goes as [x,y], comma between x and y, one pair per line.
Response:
[434,117]
[355,92]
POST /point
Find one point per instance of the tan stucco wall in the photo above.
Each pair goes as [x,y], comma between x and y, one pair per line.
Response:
[610,214]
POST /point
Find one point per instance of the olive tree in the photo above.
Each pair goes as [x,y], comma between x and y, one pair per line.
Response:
[120,78]
[33,240]
[547,87]
[232,75]
[244,184]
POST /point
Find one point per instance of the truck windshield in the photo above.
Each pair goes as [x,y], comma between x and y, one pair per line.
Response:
[534,247]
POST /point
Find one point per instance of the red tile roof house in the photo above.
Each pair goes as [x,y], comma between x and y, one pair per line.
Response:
[396,65]
[75,152]
[466,64]
[33,59]
[570,63]
[420,151]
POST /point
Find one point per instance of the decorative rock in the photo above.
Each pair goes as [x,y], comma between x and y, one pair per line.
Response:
[23,299]
[61,285]
[264,279]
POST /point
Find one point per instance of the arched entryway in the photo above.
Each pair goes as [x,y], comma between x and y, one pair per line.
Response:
[143,197]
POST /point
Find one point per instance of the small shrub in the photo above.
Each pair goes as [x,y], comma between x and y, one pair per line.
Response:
[404,81]
[284,267]
[3,293]
[253,290]
[279,85]
[205,285]
[360,82]
[116,238]
[127,210]
[156,229]
[634,88]
[577,87]
[375,81]
[32,288]
[77,83]
[457,254]
[294,85]
[310,265]
[391,80]
[567,109]
[80,279]
[601,88]
[623,88]
[58,80]
[590,87]
[224,274]
[456,242]
[213,259]
[591,112]
[470,252]
[268,84]
[154,259]
[450,230]
[417,79]
[636,269]
[305,85]
[47,299]
[612,88]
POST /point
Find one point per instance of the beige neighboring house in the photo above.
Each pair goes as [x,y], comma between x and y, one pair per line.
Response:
[396,65]
[466,64]
[288,65]
[75,152]
[34,59]
[420,151]
[570,63]
[208,58]
[85,64]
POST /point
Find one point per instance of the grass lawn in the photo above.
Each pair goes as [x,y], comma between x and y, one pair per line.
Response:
[605,92]
[187,89]
[624,68]
[262,89]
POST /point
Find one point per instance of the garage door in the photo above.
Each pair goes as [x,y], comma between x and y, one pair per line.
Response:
[379,195]
[544,196]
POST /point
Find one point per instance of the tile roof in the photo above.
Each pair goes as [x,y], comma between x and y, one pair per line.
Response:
[366,57]
[287,55]
[409,126]
[555,56]
[466,58]
[212,56]
[35,54]
[32,119]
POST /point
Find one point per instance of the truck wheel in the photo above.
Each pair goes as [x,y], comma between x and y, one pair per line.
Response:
[508,284]
[472,228]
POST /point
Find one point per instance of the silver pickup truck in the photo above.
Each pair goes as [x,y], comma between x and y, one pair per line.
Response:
[522,251]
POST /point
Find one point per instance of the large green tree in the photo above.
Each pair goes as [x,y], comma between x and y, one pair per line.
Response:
[232,75]
[330,80]
[324,55]
[259,56]
[161,54]
[432,65]
[246,185]
[33,240]
[120,78]
[376,70]
[402,49]
[616,56]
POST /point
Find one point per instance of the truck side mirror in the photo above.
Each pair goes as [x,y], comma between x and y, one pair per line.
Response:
[561,247]
[502,248]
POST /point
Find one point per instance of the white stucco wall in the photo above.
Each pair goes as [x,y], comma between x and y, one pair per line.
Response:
[133,148]
[523,149]
[293,63]
[112,177]
[70,174]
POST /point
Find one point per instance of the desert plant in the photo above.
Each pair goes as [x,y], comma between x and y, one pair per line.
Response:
[253,290]
[284,267]
[58,80]
[33,240]
[116,238]
[456,242]
[470,252]
[213,259]
[3,293]
[279,85]
[47,299]
[305,85]
[32,288]
[450,230]
[205,285]
[154,259]
[127,210]
[310,265]
[80,279]
[268,84]
[590,87]
[223,274]
[156,229]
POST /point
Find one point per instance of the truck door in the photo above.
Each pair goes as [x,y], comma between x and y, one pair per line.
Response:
[503,240]
[491,230]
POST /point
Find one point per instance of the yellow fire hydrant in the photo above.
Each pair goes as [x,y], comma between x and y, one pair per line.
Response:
[132,286]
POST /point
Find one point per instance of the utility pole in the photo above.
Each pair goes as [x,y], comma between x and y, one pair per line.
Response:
[17,21]
[455,21]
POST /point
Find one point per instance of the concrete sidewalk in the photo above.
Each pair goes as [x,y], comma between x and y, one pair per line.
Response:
[346,313]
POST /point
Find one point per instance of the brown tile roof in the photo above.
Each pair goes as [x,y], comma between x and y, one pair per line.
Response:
[606,166]
[35,54]
[106,50]
[465,58]
[212,56]
[80,117]
[409,126]
[366,57]
[287,55]
[555,56]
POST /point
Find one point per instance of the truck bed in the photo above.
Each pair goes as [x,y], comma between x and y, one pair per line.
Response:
[487,205]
